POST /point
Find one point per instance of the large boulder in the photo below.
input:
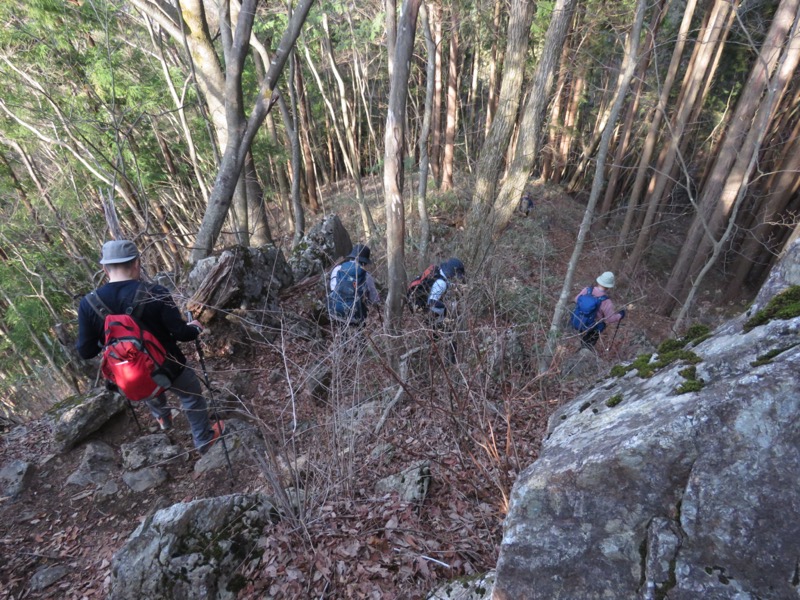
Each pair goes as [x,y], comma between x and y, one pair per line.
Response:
[321,246]
[190,550]
[79,416]
[673,480]
[237,278]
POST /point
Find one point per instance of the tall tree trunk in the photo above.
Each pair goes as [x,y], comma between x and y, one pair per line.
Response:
[390,9]
[528,142]
[239,144]
[652,133]
[393,170]
[294,135]
[452,108]
[623,83]
[436,118]
[305,140]
[564,146]
[779,192]
[730,174]
[548,160]
[347,113]
[495,63]
[630,114]
[490,162]
[284,192]
[424,134]
[714,34]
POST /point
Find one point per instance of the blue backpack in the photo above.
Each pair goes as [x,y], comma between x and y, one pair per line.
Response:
[346,300]
[585,313]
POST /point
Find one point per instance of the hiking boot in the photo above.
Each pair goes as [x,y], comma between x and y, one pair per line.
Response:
[218,429]
[165,422]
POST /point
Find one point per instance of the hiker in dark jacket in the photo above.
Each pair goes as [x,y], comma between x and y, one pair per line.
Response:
[606,314]
[161,317]
[526,204]
[451,270]
[348,308]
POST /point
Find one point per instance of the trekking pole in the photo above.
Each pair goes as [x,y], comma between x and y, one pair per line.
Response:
[615,335]
[213,403]
[133,412]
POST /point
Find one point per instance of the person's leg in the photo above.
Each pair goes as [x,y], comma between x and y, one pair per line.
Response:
[589,339]
[187,388]
[160,411]
[438,312]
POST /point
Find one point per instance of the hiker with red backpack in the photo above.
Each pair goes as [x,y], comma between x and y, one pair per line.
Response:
[594,310]
[429,289]
[352,289]
[137,326]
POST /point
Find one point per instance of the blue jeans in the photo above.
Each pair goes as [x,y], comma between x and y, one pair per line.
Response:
[187,388]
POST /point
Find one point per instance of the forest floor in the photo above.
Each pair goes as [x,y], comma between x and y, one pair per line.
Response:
[475,429]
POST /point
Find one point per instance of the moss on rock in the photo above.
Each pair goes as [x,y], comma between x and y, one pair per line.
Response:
[785,305]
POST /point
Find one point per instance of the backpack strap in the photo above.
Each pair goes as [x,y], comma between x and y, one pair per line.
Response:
[136,308]
[97,305]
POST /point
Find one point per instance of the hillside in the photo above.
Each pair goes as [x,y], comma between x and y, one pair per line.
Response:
[476,423]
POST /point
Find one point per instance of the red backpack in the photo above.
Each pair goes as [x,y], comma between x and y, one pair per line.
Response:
[132,358]
[419,289]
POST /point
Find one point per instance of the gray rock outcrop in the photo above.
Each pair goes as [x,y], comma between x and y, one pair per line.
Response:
[648,487]
[321,246]
[238,278]
[14,477]
[190,550]
[148,450]
[80,416]
[96,465]
[411,485]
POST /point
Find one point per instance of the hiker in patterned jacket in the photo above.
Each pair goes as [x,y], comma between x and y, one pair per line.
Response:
[161,317]
[450,271]
[352,288]
[605,313]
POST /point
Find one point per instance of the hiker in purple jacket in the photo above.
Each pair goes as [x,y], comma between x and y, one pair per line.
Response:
[606,314]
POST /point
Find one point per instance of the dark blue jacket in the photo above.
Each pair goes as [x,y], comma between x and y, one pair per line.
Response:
[159,316]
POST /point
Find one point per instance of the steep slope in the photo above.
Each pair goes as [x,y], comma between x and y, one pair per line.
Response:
[676,477]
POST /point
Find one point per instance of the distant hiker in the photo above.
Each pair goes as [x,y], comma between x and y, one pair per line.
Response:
[526,204]
[594,310]
[352,288]
[450,271]
[148,313]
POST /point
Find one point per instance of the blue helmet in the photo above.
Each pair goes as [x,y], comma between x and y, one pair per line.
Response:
[453,269]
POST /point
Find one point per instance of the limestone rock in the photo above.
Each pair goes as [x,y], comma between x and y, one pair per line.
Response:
[641,491]
[411,484]
[321,246]
[14,477]
[80,416]
[97,463]
[241,439]
[47,576]
[190,550]
[237,278]
[474,588]
[148,450]
[144,479]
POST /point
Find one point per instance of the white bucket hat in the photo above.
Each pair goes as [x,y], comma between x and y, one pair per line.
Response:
[606,280]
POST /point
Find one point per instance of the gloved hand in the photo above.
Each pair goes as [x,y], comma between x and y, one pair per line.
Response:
[622,314]
[196,324]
